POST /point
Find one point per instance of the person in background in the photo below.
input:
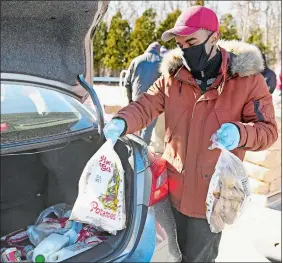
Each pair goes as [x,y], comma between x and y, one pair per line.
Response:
[207,87]
[157,141]
[163,51]
[279,82]
[142,73]
[269,76]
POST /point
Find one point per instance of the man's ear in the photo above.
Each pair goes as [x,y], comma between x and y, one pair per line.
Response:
[215,37]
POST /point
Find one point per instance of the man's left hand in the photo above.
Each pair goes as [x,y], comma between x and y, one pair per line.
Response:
[228,136]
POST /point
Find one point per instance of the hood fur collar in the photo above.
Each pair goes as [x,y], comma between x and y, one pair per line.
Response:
[246,61]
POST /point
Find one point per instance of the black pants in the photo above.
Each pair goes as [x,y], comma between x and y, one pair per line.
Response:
[196,241]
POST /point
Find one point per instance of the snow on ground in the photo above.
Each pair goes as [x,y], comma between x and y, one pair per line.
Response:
[108,95]
[257,224]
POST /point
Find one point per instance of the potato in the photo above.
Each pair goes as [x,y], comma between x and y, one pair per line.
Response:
[229,210]
[236,205]
[232,193]
[238,194]
[217,207]
[226,193]
[216,192]
[230,217]
[228,180]
[216,222]
[226,205]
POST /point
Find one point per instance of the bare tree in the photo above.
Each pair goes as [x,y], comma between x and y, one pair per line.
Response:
[274,30]
[248,14]
[265,15]
[213,5]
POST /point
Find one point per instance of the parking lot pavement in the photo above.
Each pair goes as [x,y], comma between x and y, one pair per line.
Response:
[239,241]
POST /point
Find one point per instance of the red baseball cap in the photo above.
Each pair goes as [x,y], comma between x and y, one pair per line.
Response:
[192,20]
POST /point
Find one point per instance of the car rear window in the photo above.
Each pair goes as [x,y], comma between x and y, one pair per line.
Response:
[30,112]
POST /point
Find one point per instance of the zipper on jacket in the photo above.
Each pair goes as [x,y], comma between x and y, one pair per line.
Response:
[197,98]
[180,88]
[198,150]
[196,181]
[184,166]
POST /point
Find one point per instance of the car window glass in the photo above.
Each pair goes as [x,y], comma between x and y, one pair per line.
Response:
[29,112]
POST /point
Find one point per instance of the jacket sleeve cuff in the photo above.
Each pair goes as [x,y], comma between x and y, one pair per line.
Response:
[243,134]
[126,125]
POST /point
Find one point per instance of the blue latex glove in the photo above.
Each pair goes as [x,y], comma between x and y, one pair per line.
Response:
[228,136]
[114,129]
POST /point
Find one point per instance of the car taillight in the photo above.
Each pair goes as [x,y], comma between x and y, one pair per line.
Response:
[4,127]
[159,187]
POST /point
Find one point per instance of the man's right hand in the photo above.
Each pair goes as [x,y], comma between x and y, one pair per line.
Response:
[114,129]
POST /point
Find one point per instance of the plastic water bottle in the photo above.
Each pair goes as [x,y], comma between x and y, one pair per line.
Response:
[35,235]
[68,252]
[74,232]
[48,246]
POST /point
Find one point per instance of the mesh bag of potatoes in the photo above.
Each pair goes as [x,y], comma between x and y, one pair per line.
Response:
[228,191]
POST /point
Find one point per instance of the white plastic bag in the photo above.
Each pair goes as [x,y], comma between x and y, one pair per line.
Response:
[101,201]
[228,191]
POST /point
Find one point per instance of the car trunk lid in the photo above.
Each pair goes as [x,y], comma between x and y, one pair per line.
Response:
[50,40]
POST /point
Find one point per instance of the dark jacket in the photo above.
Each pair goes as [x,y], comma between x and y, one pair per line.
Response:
[269,76]
[142,73]
[239,95]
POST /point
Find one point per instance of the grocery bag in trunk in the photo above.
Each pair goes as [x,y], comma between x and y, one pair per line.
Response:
[101,200]
[228,191]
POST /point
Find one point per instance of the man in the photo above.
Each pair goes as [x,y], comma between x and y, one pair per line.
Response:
[163,51]
[203,89]
[279,82]
[157,139]
[143,71]
[269,76]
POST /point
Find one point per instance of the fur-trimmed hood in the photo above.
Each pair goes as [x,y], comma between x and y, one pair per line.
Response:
[246,61]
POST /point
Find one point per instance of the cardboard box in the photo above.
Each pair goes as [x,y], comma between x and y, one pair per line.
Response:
[275,185]
[259,187]
[268,158]
[261,173]
[112,109]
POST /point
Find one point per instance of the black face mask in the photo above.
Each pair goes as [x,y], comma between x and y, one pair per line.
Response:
[196,56]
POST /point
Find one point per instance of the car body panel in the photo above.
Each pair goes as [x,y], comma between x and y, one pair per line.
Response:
[158,242]
[167,249]
[146,246]
[144,177]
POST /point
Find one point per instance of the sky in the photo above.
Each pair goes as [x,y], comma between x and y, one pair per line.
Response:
[225,7]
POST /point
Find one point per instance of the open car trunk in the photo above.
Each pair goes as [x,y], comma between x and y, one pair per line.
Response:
[45,177]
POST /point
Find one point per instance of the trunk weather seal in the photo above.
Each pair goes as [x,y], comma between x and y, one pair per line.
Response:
[118,253]
[53,140]
[142,222]
[96,103]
